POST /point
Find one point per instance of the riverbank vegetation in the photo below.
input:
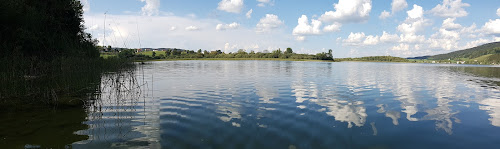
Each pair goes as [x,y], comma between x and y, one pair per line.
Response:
[175,54]
[45,55]
[376,59]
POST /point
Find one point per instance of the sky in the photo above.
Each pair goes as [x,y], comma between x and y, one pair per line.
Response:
[351,28]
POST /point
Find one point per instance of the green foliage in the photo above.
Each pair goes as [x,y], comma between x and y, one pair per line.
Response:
[129,53]
[376,59]
[289,51]
[491,48]
[240,54]
[44,30]
[45,53]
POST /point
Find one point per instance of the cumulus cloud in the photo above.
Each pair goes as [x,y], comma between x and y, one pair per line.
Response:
[412,27]
[335,27]
[249,14]
[389,38]
[450,9]
[151,8]
[268,23]
[371,40]
[411,38]
[498,12]
[221,27]
[173,28]
[401,47]
[416,12]
[355,38]
[448,36]
[492,27]
[398,5]
[232,6]
[415,21]
[384,15]
[304,28]
[348,11]
[449,24]
[192,28]
[476,43]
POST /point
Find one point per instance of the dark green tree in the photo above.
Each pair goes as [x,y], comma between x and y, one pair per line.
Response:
[288,51]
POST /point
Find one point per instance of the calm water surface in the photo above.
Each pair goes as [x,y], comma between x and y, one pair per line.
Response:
[280,104]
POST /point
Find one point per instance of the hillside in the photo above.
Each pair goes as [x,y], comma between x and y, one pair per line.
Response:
[472,53]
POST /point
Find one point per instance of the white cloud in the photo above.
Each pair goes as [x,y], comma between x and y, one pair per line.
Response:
[449,24]
[411,38]
[470,31]
[492,27]
[398,5]
[268,23]
[348,11]
[416,12]
[476,43]
[335,27]
[232,6]
[304,28]
[415,21]
[401,47]
[228,47]
[151,8]
[173,28]
[233,25]
[263,3]
[450,9]
[192,28]
[389,38]
[249,14]
[384,15]
[371,40]
[498,12]
[412,27]
[355,38]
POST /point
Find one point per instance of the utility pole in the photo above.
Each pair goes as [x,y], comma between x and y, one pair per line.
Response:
[104,40]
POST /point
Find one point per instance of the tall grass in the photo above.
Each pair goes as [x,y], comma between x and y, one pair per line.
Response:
[61,81]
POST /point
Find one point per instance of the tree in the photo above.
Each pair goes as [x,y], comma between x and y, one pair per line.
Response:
[289,51]
[242,51]
[154,54]
[126,53]
[199,51]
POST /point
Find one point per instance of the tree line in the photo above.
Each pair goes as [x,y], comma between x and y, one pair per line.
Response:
[376,59]
[191,54]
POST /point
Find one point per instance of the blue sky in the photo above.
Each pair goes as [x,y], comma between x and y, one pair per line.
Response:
[351,28]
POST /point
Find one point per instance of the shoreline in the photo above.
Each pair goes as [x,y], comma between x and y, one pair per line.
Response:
[298,60]
[236,59]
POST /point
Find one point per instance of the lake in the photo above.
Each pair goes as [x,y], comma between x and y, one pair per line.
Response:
[276,104]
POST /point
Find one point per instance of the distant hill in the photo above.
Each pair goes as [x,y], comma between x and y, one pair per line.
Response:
[491,49]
